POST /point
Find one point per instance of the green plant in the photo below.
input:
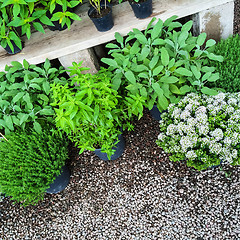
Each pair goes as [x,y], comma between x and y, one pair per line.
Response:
[88,110]
[97,5]
[228,69]
[204,130]
[30,162]
[25,95]
[19,17]
[161,64]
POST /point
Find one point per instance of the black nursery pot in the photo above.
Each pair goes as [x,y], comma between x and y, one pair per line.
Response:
[60,181]
[142,9]
[155,113]
[57,26]
[104,23]
[16,49]
[119,150]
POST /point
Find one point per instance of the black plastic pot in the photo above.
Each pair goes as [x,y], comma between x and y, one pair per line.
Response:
[16,49]
[119,150]
[104,23]
[60,181]
[155,113]
[142,9]
[57,26]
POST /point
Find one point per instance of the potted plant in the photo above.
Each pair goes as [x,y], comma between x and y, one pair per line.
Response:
[100,13]
[229,76]
[30,162]
[203,130]
[25,95]
[61,14]
[19,18]
[141,8]
[161,64]
[88,111]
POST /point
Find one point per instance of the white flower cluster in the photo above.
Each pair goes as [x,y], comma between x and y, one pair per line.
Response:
[200,126]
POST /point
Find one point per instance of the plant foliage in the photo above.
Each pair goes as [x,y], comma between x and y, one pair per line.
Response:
[25,95]
[28,14]
[229,75]
[30,162]
[160,64]
[202,129]
[88,110]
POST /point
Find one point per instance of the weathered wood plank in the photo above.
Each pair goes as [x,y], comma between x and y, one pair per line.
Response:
[84,35]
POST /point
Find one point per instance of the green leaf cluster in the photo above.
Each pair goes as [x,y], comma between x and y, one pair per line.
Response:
[26,15]
[25,95]
[30,162]
[229,69]
[96,4]
[162,64]
[88,109]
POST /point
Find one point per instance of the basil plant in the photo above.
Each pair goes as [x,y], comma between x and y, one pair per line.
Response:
[162,63]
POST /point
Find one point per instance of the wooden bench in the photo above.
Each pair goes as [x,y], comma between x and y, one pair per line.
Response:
[213,16]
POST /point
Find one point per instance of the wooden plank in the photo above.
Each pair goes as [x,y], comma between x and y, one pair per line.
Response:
[84,35]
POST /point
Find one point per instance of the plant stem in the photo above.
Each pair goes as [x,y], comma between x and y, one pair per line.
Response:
[3,136]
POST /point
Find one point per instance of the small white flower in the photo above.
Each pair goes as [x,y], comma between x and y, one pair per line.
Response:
[191,155]
[161,137]
[171,129]
[217,134]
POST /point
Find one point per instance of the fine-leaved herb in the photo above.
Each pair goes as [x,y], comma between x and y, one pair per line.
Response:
[30,162]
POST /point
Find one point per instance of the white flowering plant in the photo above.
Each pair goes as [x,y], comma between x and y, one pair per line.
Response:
[203,130]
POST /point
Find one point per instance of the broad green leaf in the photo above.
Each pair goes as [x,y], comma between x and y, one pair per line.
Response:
[18,97]
[25,64]
[34,85]
[157,70]
[218,58]
[174,89]
[119,38]
[184,89]
[27,99]
[159,42]
[140,68]
[37,127]
[164,56]
[110,62]
[209,91]
[157,89]
[195,71]
[8,122]
[214,77]
[130,77]
[163,102]
[153,62]
[157,30]
[169,79]
[135,48]
[183,71]
[141,38]
[46,112]
[111,45]
[210,43]
[187,26]
[201,39]
[46,87]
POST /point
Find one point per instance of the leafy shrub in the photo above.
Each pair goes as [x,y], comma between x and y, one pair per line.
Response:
[25,95]
[30,162]
[228,69]
[203,130]
[88,110]
[161,65]
[31,14]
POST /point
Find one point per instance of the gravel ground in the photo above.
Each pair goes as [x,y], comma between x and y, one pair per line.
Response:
[140,196]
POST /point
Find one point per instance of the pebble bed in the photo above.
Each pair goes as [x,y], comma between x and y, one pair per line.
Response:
[138,196]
